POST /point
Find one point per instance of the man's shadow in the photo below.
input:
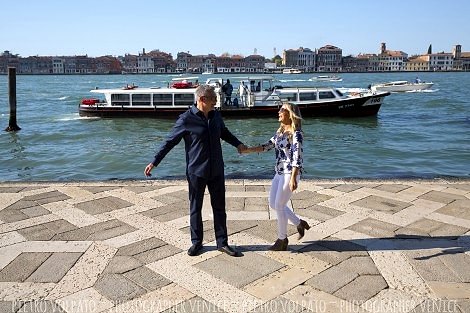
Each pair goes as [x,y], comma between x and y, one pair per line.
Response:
[447,245]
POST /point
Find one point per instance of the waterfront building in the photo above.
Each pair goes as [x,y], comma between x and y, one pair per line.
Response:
[461,59]
[58,65]
[418,63]
[7,59]
[301,58]
[388,60]
[356,64]
[329,59]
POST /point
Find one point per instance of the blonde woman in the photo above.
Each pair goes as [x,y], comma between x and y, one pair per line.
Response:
[287,142]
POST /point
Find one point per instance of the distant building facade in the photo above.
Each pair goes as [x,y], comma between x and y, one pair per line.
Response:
[329,59]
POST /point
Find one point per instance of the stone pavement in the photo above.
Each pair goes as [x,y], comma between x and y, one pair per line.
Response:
[374,246]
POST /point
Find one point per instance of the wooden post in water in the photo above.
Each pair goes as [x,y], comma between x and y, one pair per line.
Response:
[12,126]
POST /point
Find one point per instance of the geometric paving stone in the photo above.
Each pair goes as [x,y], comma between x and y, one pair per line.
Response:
[381,204]
[121,263]
[319,213]
[35,211]
[426,227]
[457,208]
[98,231]
[22,204]
[140,246]
[103,205]
[430,266]
[362,288]
[441,197]
[11,189]
[239,272]
[140,189]
[54,268]
[156,254]
[393,188]
[261,188]
[147,278]
[375,228]
[46,231]
[23,266]
[465,187]
[117,288]
[459,263]
[305,199]
[234,188]
[168,212]
[47,197]
[12,215]
[256,204]
[98,189]
[235,204]
[171,198]
[332,279]
[361,265]
[347,187]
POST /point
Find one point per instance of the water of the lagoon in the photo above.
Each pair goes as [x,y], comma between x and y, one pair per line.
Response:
[415,135]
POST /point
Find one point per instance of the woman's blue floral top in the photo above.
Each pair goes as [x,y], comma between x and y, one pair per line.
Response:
[289,151]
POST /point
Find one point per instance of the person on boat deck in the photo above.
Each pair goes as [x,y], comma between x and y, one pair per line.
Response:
[287,142]
[202,128]
[417,80]
[243,91]
[227,89]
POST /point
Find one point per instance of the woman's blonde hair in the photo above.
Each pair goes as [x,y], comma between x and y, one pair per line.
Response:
[294,115]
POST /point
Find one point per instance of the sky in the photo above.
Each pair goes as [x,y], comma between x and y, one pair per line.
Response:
[117,27]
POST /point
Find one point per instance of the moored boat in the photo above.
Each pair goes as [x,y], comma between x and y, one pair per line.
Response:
[255,97]
[291,71]
[401,86]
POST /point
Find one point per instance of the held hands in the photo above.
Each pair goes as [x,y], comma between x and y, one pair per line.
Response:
[148,169]
[242,148]
[251,149]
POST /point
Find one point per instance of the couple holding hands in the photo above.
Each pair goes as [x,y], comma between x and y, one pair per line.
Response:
[202,127]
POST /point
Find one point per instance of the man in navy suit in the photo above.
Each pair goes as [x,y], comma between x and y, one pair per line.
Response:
[202,127]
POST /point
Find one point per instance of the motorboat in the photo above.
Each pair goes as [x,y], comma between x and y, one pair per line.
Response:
[291,71]
[401,86]
[329,78]
[253,97]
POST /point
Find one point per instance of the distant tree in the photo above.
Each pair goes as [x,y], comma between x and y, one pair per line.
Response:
[430,49]
[277,59]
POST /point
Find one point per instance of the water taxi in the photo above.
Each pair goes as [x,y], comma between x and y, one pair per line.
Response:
[401,86]
[329,78]
[253,97]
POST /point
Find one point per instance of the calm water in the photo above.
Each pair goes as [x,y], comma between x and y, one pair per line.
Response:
[423,134]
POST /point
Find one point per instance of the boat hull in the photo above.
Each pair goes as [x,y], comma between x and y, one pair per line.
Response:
[403,88]
[351,107]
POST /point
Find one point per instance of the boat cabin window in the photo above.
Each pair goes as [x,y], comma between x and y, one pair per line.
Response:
[184,99]
[162,99]
[326,95]
[306,96]
[266,85]
[288,96]
[141,99]
[120,99]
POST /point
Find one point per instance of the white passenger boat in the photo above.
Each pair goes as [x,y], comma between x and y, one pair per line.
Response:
[329,78]
[401,86]
[291,71]
[260,99]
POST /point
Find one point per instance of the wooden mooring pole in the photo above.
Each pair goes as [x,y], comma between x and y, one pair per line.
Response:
[12,125]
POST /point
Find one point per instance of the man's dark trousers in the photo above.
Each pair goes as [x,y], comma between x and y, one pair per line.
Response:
[216,187]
